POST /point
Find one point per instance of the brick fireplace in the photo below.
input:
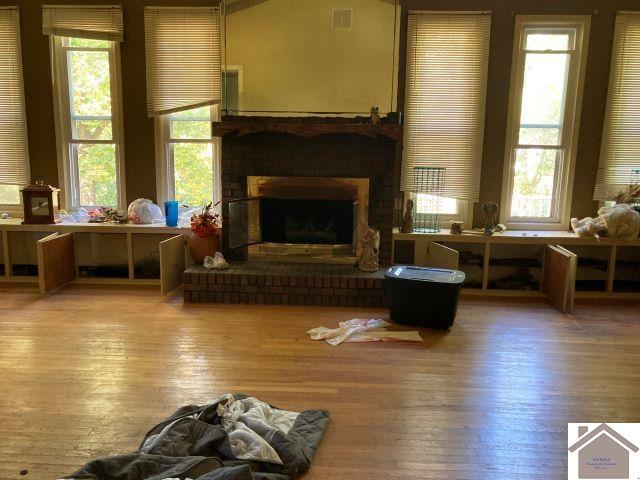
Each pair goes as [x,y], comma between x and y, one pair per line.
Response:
[348,161]
[342,155]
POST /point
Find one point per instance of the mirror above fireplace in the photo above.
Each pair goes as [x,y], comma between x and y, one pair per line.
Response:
[310,57]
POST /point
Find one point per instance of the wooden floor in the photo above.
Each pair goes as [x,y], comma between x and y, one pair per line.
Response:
[86,372]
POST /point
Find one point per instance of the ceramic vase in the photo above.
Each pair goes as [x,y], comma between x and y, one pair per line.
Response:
[200,247]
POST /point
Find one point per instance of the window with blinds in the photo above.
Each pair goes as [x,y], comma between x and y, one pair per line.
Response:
[14,157]
[183,58]
[83,21]
[85,42]
[620,151]
[548,69]
[188,156]
[447,58]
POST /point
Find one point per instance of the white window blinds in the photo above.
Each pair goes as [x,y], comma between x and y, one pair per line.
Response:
[447,57]
[14,156]
[83,21]
[183,58]
[620,151]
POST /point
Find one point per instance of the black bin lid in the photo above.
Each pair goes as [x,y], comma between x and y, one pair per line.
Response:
[425,274]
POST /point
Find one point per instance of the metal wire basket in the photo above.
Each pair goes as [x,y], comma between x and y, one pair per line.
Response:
[427,197]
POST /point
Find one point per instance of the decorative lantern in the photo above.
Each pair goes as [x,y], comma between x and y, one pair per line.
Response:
[41,203]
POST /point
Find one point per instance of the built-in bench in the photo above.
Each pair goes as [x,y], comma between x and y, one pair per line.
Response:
[508,264]
[97,253]
[512,263]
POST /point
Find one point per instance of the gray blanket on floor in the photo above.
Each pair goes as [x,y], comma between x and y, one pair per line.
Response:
[234,438]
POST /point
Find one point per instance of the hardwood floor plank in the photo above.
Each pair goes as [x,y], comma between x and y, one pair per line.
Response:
[86,372]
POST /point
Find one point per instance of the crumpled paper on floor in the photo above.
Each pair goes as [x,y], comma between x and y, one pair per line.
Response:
[362,330]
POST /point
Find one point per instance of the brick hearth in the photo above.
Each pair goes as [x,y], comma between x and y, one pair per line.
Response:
[333,155]
[285,284]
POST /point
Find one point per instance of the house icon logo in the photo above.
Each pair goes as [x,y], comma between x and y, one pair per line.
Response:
[601,451]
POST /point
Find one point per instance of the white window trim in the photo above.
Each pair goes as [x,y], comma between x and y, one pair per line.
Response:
[464,214]
[13,209]
[165,182]
[573,107]
[69,196]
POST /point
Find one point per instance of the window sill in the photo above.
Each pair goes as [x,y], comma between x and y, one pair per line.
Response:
[16,211]
[539,226]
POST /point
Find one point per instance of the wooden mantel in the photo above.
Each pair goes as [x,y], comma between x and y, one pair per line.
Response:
[305,127]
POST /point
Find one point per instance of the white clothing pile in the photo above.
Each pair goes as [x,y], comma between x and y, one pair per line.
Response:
[362,330]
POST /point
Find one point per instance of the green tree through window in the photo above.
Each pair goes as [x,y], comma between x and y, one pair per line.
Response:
[90,129]
[192,156]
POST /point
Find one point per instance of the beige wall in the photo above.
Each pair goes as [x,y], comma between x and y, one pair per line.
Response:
[138,128]
[139,146]
[500,52]
[292,60]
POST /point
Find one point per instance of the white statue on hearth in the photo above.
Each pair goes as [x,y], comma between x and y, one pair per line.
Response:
[370,250]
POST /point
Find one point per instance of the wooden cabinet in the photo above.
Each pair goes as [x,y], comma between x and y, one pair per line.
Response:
[625,274]
[424,252]
[471,260]
[20,251]
[173,258]
[4,260]
[559,277]
[519,263]
[102,256]
[54,255]
[56,261]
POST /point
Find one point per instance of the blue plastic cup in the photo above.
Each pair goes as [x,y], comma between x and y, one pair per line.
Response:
[171,213]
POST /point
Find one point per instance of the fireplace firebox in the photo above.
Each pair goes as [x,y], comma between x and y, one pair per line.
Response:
[311,219]
[325,222]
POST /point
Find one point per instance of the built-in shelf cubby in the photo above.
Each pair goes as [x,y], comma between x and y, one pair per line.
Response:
[93,253]
[471,262]
[592,271]
[101,256]
[513,262]
[23,255]
[2,260]
[515,267]
[146,255]
[626,278]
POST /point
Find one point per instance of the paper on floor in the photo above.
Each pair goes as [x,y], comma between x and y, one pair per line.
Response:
[386,336]
[362,330]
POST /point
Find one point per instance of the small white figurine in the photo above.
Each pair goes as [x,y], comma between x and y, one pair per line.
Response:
[370,256]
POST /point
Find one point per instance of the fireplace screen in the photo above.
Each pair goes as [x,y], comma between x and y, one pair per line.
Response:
[327,222]
[318,218]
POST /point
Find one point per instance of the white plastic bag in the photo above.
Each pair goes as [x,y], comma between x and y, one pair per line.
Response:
[217,262]
[143,212]
[79,215]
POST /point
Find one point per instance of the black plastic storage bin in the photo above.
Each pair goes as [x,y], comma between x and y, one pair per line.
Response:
[426,297]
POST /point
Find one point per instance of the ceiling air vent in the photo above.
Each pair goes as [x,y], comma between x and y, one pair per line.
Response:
[341,18]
